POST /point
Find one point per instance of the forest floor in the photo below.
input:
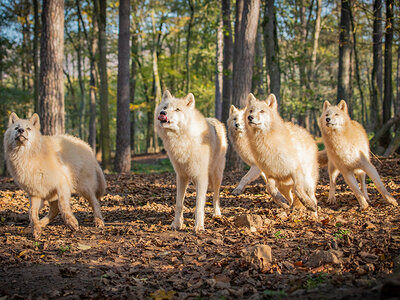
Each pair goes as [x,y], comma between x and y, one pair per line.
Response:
[344,254]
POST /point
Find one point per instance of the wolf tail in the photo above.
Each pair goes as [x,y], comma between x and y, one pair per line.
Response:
[322,158]
[101,182]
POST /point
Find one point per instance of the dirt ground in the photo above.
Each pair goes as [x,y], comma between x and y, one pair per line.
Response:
[344,254]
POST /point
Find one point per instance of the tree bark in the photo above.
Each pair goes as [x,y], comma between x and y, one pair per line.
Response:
[227,59]
[51,79]
[272,50]
[377,79]
[219,70]
[188,40]
[104,123]
[388,86]
[343,90]
[122,162]
[244,52]
[258,77]
[134,55]
[36,40]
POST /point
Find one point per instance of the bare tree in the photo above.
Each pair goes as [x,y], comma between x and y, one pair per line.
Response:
[122,162]
[218,70]
[36,40]
[51,78]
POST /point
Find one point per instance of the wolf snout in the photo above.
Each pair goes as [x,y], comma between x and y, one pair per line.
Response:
[250,118]
[21,130]
[328,120]
[237,125]
[162,117]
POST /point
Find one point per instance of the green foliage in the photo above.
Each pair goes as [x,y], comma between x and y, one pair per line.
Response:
[279,235]
[313,281]
[160,166]
[271,294]
[341,233]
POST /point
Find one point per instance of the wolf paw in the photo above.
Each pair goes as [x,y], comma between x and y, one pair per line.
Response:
[72,223]
[237,191]
[391,200]
[177,225]
[364,206]
[98,222]
[36,232]
[331,201]
[217,213]
[198,227]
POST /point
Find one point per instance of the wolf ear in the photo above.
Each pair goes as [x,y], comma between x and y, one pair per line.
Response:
[166,95]
[343,106]
[326,105]
[189,99]
[35,120]
[12,119]
[232,109]
[272,102]
[250,99]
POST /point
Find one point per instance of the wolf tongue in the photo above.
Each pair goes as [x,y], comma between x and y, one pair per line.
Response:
[163,118]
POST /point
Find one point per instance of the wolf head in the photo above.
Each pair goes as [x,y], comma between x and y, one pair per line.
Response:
[334,117]
[21,132]
[261,114]
[236,122]
[173,113]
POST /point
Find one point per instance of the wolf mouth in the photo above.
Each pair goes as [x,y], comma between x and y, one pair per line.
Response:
[19,137]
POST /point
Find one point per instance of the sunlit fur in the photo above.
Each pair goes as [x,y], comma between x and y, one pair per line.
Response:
[348,151]
[239,139]
[50,168]
[283,151]
[196,147]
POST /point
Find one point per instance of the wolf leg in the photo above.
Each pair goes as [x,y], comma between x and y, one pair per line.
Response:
[53,212]
[201,191]
[361,178]
[95,204]
[181,185]
[304,193]
[64,196]
[34,207]
[333,174]
[373,174]
[216,185]
[250,176]
[352,182]
[278,198]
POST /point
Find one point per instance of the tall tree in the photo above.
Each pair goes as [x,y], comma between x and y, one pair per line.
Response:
[51,78]
[218,70]
[343,90]
[122,162]
[272,50]
[388,84]
[244,52]
[156,80]
[377,78]
[104,123]
[188,43]
[227,59]
[36,41]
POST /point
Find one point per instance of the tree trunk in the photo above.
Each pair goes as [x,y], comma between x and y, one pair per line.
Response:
[227,60]
[343,90]
[272,50]
[51,79]
[388,86]
[258,78]
[244,52]
[122,162]
[312,74]
[188,37]
[134,55]
[219,70]
[157,84]
[36,40]
[80,77]
[377,79]
[104,123]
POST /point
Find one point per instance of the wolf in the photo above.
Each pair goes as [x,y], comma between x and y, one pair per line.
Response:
[239,139]
[347,146]
[50,168]
[282,150]
[196,147]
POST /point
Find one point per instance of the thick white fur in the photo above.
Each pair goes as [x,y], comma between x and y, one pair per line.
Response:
[196,147]
[348,151]
[50,168]
[283,151]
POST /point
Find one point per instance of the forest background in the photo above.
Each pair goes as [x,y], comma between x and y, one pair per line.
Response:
[109,62]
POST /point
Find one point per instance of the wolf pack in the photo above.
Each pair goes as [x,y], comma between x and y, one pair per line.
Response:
[285,155]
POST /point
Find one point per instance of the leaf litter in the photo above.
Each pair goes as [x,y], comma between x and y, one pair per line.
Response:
[254,251]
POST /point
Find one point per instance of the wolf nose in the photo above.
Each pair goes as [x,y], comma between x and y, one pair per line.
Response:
[328,119]
[21,130]
[250,118]
[163,112]
[237,125]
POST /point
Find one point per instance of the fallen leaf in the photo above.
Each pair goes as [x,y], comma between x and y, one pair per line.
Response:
[83,247]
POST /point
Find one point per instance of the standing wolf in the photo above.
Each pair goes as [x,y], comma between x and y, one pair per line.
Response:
[347,145]
[196,147]
[283,151]
[50,168]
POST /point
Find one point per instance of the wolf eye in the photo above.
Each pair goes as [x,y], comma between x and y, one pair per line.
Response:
[164,107]
[27,128]
[178,109]
[261,111]
[250,111]
[336,115]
